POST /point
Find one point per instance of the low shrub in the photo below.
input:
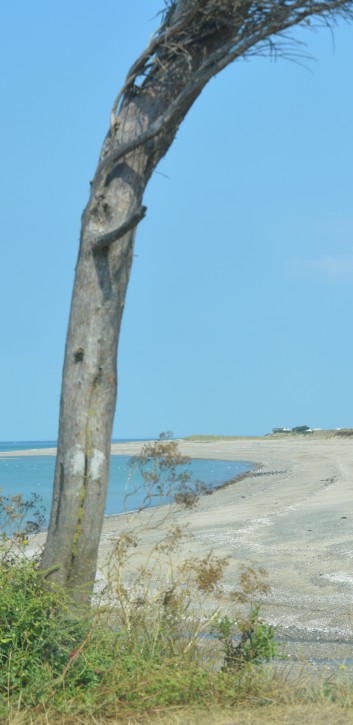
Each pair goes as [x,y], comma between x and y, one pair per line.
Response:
[155,639]
[38,633]
[146,649]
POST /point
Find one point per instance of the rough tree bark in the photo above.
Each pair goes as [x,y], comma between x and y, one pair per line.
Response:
[197,39]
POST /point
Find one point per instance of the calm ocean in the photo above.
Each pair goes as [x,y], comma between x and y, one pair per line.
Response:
[34,474]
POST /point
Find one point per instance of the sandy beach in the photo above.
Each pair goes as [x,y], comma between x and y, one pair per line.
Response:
[292,515]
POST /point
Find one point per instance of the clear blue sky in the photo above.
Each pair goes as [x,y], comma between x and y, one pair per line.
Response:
[239,309]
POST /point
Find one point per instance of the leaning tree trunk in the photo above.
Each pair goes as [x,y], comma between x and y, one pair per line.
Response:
[89,378]
[197,39]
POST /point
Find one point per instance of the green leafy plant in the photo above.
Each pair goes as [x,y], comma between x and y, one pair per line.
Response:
[36,631]
[256,642]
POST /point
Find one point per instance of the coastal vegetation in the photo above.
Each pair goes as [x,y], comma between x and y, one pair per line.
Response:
[316,433]
[344,432]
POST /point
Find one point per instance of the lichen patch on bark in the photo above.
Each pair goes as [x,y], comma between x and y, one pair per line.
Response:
[95,464]
[76,458]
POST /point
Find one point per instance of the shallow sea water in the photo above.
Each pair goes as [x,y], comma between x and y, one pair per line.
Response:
[34,474]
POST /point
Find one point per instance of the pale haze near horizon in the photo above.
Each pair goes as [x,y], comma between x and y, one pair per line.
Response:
[238,311]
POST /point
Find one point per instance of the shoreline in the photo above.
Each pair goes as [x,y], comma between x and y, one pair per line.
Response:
[125,448]
[131,449]
[292,515]
[287,515]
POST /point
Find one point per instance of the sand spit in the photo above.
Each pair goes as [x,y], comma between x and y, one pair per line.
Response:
[293,515]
